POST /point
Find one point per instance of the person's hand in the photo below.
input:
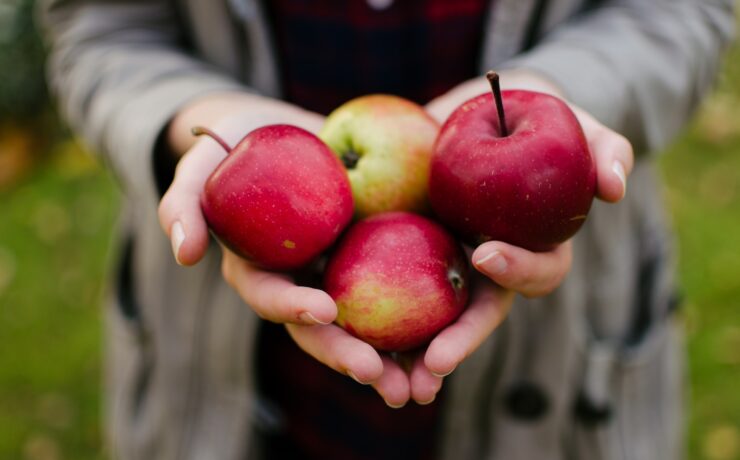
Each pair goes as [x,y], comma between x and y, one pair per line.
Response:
[503,263]
[511,269]
[231,116]
[416,375]
[272,296]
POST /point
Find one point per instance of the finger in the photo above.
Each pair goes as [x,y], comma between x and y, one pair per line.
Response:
[274,297]
[532,274]
[613,155]
[424,384]
[335,348]
[393,385]
[614,162]
[179,210]
[488,308]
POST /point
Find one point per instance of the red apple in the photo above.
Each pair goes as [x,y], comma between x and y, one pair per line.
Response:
[385,142]
[279,198]
[398,279]
[526,178]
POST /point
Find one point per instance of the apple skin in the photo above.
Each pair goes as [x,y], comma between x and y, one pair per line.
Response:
[397,279]
[279,198]
[393,138]
[532,188]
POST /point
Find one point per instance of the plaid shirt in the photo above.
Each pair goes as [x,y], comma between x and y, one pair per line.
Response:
[331,51]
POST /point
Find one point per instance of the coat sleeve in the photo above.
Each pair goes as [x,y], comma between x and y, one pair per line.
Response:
[120,73]
[639,66]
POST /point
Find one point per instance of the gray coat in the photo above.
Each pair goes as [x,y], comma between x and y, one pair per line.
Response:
[592,371]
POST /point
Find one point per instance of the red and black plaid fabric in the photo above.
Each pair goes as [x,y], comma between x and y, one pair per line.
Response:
[321,414]
[331,51]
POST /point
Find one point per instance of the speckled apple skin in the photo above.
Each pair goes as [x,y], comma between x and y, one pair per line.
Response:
[394,138]
[533,188]
[279,198]
[398,279]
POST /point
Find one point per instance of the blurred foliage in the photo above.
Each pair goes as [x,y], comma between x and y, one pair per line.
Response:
[28,126]
[57,213]
[702,177]
[23,91]
[55,238]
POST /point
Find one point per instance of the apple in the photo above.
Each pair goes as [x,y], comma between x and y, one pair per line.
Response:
[386,143]
[525,177]
[397,279]
[279,198]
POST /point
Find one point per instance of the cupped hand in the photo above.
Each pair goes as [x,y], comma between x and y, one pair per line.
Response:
[271,295]
[231,116]
[509,266]
[506,264]
[418,375]
[510,269]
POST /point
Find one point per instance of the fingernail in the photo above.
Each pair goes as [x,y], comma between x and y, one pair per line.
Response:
[394,406]
[493,263]
[619,172]
[308,318]
[177,235]
[443,375]
[425,403]
[354,377]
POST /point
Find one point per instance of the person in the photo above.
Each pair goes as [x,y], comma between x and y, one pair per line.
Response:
[584,363]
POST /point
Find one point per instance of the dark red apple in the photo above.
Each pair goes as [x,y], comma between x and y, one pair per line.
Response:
[279,198]
[526,178]
[398,279]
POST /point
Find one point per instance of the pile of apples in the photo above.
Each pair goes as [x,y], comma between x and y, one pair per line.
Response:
[383,189]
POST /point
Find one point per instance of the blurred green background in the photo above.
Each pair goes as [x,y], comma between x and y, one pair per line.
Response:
[58,210]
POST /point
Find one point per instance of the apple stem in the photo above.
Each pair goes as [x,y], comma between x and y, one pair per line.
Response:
[200,130]
[496,89]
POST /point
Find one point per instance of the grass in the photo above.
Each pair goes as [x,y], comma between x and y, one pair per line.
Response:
[702,177]
[55,234]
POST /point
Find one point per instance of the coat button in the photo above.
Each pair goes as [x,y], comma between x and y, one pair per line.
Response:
[526,401]
[591,414]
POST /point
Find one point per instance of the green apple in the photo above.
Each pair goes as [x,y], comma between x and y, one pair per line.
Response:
[386,143]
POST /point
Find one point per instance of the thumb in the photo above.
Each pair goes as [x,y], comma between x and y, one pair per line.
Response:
[613,155]
[180,215]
